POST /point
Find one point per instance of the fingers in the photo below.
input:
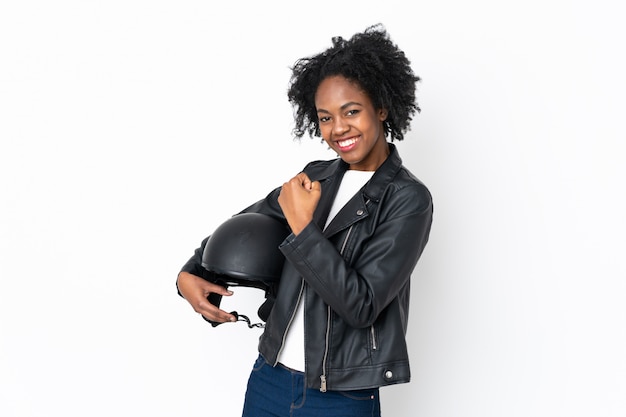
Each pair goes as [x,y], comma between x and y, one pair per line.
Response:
[304,180]
[316,186]
[210,311]
[196,290]
[298,199]
[210,287]
[213,313]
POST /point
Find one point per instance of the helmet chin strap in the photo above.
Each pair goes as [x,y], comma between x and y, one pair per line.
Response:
[239,317]
[242,317]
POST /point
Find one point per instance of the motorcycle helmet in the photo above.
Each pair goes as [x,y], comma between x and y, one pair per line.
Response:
[243,251]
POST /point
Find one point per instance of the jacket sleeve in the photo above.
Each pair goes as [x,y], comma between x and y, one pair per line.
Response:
[194,264]
[268,205]
[380,267]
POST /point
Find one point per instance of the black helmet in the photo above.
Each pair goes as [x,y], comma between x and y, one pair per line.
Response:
[243,251]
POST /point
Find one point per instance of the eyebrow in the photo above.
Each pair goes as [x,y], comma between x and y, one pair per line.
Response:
[348,104]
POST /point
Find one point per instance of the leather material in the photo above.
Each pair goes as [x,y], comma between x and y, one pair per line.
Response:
[354,277]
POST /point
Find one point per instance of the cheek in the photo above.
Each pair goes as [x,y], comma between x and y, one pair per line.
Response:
[325,131]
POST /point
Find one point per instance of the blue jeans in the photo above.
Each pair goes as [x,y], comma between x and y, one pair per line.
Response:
[281,392]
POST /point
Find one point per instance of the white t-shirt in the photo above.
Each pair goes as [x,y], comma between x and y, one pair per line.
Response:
[292,354]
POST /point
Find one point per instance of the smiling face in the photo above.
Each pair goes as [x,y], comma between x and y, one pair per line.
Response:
[350,124]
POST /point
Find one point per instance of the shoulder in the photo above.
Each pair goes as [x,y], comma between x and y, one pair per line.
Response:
[321,169]
[409,189]
[406,178]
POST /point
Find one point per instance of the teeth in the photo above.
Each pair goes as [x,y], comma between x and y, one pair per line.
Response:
[347,142]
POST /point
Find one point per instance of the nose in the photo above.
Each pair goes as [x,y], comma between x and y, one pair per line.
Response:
[340,126]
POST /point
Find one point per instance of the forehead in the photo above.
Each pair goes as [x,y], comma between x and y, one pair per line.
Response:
[337,90]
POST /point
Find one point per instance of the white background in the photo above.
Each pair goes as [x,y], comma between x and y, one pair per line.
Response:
[130,129]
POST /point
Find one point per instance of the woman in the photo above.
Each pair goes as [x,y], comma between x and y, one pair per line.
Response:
[359,223]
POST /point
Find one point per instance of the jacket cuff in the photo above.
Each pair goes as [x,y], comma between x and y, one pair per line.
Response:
[293,241]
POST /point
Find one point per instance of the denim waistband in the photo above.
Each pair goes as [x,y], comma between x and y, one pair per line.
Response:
[293,371]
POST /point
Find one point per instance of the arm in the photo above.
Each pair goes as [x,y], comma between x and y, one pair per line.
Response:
[197,285]
[194,285]
[381,261]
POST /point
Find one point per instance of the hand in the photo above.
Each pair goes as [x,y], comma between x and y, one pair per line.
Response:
[298,199]
[196,290]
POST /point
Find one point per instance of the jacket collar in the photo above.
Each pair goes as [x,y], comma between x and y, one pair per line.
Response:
[383,175]
[375,187]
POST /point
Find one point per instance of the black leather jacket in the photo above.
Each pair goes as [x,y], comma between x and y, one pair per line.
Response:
[353,277]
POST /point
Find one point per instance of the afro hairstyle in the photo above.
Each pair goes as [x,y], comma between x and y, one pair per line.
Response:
[372,61]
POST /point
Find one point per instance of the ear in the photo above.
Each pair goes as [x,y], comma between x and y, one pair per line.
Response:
[382,114]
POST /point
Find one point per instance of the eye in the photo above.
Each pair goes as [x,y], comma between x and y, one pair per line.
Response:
[352,112]
[324,119]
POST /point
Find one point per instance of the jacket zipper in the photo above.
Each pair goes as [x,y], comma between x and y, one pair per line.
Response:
[327,341]
[374,342]
[372,330]
[323,376]
[293,315]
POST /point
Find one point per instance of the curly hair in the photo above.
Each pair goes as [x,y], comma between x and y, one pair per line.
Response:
[374,63]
